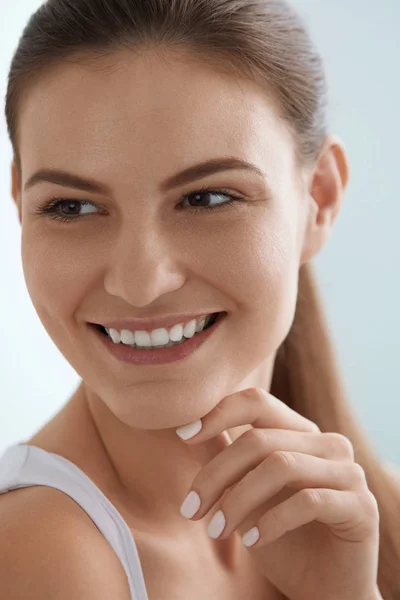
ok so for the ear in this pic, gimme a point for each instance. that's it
(328, 182)
(15, 189)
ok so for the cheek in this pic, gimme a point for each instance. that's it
(55, 272)
(260, 275)
(259, 265)
(251, 262)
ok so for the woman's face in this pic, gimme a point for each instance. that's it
(136, 251)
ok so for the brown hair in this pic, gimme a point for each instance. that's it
(266, 41)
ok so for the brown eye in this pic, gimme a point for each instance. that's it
(71, 207)
(52, 209)
(201, 199)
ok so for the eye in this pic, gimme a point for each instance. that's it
(74, 203)
(54, 209)
(200, 198)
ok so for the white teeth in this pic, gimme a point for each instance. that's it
(115, 336)
(190, 329)
(176, 333)
(159, 337)
(142, 338)
(127, 337)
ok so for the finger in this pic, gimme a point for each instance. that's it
(245, 454)
(352, 515)
(253, 406)
(280, 469)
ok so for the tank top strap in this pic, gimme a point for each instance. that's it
(22, 465)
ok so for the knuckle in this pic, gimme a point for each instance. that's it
(372, 503)
(340, 444)
(359, 473)
(255, 436)
(311, 497)
(221, 407)
(369, 509)
(282, 460)
(253, 392)
(314, 427)
(257, 397)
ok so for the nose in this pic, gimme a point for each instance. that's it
(143, 266)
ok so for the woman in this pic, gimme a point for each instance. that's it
(174, 178)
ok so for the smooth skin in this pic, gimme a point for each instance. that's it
(326, 518)
(128, 122)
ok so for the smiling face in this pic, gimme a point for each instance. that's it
(138, 249)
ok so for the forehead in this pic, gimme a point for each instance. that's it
(144, 110)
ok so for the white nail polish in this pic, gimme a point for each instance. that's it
(216, 525)
(188, 431)
(190, 505)
(251, 537)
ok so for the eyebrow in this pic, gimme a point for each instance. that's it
(188, 175)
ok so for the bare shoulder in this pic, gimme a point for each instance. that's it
(50, 548)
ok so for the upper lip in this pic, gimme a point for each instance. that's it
(156, 323)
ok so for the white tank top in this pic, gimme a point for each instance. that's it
(22, 466)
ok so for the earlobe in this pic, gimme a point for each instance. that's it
(328, 182)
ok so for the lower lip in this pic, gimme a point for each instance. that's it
(159, 356)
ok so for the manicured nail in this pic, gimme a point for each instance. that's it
(190, 505)
(188, 431)
(251, 537)
(216, 525)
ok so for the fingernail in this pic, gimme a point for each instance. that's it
(216, 525)
(251, 537)
(187, 431)
(190, 505)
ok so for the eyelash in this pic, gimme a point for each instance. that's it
(51, 207)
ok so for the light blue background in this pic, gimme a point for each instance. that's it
(358, 269)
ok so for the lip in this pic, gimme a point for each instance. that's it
(158, 356)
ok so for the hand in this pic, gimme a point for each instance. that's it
(312, 518)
